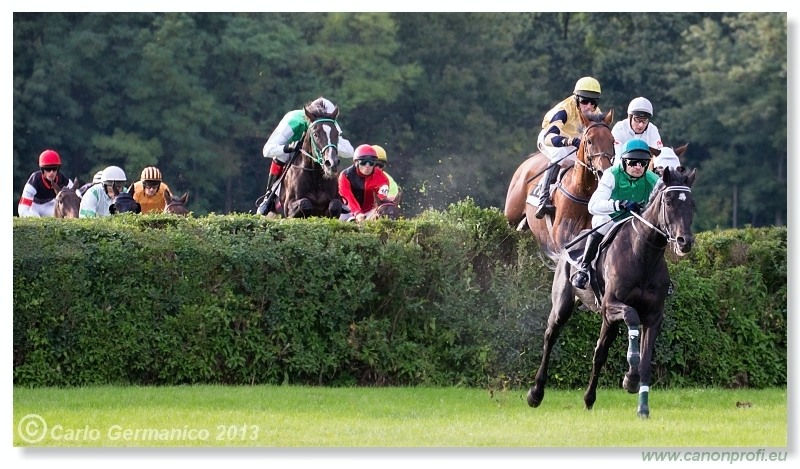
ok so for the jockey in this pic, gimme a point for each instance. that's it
(363, 185)
(560, 135)
(98, 176)
(637, 126)
(285, 139)
(98, 199)
(148, 191)
(394, 189)
(38, 196)
(623, 189)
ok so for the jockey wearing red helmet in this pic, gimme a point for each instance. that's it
(39, 196)
(363, 185)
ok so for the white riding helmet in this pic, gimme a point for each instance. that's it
(640, 107)
(667, 159)
(113, 174)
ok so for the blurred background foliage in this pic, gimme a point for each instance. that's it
(456, 99)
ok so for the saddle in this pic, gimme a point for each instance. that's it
(575, 257)
(533, 196)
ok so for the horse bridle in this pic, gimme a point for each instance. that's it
(663, 215)
(317, 153)
(590, 157)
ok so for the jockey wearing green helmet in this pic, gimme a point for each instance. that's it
(622, 189)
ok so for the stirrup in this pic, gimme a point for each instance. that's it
(579, 279)
(545, 209)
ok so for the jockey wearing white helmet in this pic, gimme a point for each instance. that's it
(637, 126)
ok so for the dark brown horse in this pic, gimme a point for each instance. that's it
(68, 202)
(576, 186)
(631, 280)
(176, 205)
(310, 184)
(388, 210)
(124, 203)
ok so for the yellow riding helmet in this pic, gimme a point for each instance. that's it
(380, 152)
(587, 87)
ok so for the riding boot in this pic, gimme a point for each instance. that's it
(590, 251)
(549, 178)
(268, 204)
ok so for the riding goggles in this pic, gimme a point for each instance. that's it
(367, 163)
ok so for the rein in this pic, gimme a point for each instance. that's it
(666, 235)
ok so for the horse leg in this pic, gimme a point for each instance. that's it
(608, 332)
(335, 208)
(649, 335)
(632, 378)
(299, 208)
(563, 306)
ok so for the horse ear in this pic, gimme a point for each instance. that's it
(335, 113)
(184, 198)
(655, 151)
(167, 196)
(130, 189)
(309, 116)
(75, 183)
(690, 177)
(681, 150)
(609, 118)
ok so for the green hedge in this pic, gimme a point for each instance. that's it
(447, 298)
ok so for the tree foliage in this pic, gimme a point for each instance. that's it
(456, 98)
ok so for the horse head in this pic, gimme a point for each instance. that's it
(670, 210)
(68, 202)
(124, 202)
(596, 152)
(176, 205)
(322, 137)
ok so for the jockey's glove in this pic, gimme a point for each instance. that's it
(290, 147)
(576, 142)
(628, 205)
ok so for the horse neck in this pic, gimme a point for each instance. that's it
(648, 240)
(583, 182)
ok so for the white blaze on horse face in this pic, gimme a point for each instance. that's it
(682, 197)
(327, 129)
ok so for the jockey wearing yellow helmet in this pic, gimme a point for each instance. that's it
(394, 189)
(560, 135)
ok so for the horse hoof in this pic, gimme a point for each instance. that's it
(533, 400)
(630, 385)
(643, 412)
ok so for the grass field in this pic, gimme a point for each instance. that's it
(288, 416)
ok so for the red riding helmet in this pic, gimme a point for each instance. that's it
(49, 158)
(365, 152)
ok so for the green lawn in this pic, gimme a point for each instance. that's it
(288, 416)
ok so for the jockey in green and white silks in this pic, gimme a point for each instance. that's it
(561, 135)
(636, 126)
(97, 200)
(286, 137)
(622, 189)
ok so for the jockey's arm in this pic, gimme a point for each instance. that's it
(347, 194)
(553, 136)
(282, 135)
(601, 202)
(25, 207)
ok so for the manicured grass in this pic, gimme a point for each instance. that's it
(289, 416)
